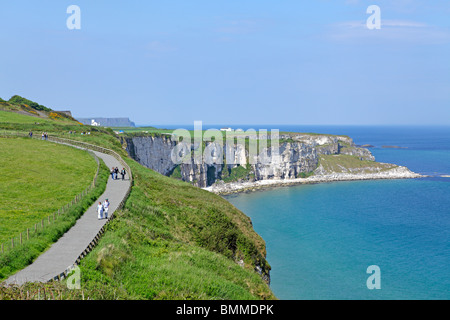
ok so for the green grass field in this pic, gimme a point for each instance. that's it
(12, 117)
(37, 179)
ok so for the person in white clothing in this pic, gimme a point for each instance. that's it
(106, 208)
(100, 211)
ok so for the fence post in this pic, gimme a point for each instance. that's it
(12, 242)
(28, 234)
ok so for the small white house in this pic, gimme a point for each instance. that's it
(226, 129)
(95, 124)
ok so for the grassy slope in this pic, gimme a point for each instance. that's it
(171, 240)
(181, 243)
(175, 241)
(38, 178)
(6, 116)
(343, 163)
(22, 106)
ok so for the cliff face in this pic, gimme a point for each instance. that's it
(152, 152)
(299, 157)
(295, 158)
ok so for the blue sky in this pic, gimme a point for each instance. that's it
(232, 62)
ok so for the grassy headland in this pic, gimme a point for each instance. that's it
(342, 163)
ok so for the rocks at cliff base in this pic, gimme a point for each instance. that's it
(394, 173)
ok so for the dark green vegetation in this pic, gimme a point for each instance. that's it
(170, 241)
(18, 100)
(305, 174)
(176, 173)
(237, 173)
(23, 106)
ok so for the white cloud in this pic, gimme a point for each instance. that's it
(384, 23)
(391, 30)
(403, 23)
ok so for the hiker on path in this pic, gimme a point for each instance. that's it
(106, 208)
(112, 172)
(31, 134)
(116, 171)
(123, 173)
(100, 211)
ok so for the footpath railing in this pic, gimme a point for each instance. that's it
(88, 147)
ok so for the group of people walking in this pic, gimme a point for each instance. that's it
(115, 173)
(102, 210)
(44, 135)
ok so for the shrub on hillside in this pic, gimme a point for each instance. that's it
(20, 100)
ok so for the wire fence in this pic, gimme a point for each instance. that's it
(23, 236)
(52, 218)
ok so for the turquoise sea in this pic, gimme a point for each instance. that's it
(321, 238)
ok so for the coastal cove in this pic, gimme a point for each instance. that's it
(321, 237)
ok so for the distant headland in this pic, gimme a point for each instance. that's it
(107, 122)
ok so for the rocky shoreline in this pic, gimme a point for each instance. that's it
(247, 186)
